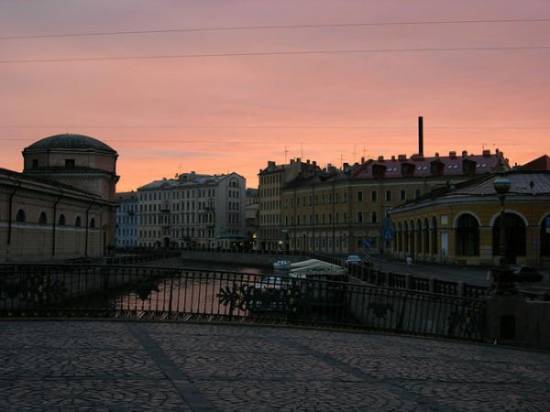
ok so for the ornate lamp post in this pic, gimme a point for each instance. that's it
(502, 187)
(502, 275)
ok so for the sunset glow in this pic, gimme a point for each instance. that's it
(233, 113)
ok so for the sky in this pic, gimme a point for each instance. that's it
(221, 114)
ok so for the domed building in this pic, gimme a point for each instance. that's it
(62, 205)
(77, 160)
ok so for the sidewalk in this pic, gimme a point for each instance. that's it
(95, 365)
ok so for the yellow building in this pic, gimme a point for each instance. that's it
(461, 224)
(345, 211)
(61, 206)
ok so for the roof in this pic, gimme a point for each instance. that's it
(522, 183)
(186, 179)
(126, 196)
(70, 141)
(540, 163)
(55, 184)
(452, 165)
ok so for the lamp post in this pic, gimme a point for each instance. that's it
(502, 187)
(502, 274)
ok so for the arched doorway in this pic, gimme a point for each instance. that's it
(515, 237)
(467, 235)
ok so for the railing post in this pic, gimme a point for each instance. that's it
(460, 289)
(409, 282)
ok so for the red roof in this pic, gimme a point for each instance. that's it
(449, 165)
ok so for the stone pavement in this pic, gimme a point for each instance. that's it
(133, 366)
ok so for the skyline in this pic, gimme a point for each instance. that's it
(233, 113)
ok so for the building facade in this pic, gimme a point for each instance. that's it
(193, 210)
(462, 225)
(347, 211)
(272, 236)
(127, 227)
(61, 205)
(251, 214)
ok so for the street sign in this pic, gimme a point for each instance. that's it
(367, 244)
(388, 230)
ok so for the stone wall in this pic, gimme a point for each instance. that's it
(512, 320)
(238, 258)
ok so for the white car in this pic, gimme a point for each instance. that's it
(353, 260)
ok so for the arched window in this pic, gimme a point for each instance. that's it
(515, 236)
(92, 223)
(43, 219)
(434, 236)
(412, 238)
(545, 236)
(467, 236)
(20, 217)
(78, 222)
(61, 221)
(426, 236)
(419, 236)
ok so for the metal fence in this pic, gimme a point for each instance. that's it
(184, 293)
(415, 283)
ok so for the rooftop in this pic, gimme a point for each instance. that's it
(522, 183)
(11, 174)
(70, 141)
(420, 166)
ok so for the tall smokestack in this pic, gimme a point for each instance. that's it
(421, 136)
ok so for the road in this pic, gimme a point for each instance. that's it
(138, 366)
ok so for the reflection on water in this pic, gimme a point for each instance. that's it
(230, 267)
(195, 291)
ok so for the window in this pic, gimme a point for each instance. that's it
(92, 223)
(403, 195)
(20, 217)
(374, 217)
(467, 236)
(515, 237)
(42, 220)
(34, 163)
(78, 222)
(359, 217)
(359, 196)
(417, 193)
(69, 163)
(62, 220)
(388, 196)
(374, 195)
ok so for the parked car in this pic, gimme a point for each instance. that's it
(352, 260)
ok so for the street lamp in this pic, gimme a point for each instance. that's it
(503, 276)
(502, 187)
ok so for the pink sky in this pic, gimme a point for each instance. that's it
(224, 114)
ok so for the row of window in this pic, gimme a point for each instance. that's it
(311, 200)
(21, 217)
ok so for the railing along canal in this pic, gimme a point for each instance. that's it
(131, 292)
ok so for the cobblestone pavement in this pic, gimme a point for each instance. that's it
(133, 366)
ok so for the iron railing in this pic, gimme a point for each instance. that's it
(185, 293)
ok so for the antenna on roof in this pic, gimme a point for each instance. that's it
(286, 153)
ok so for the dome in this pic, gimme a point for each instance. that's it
(70, 141)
